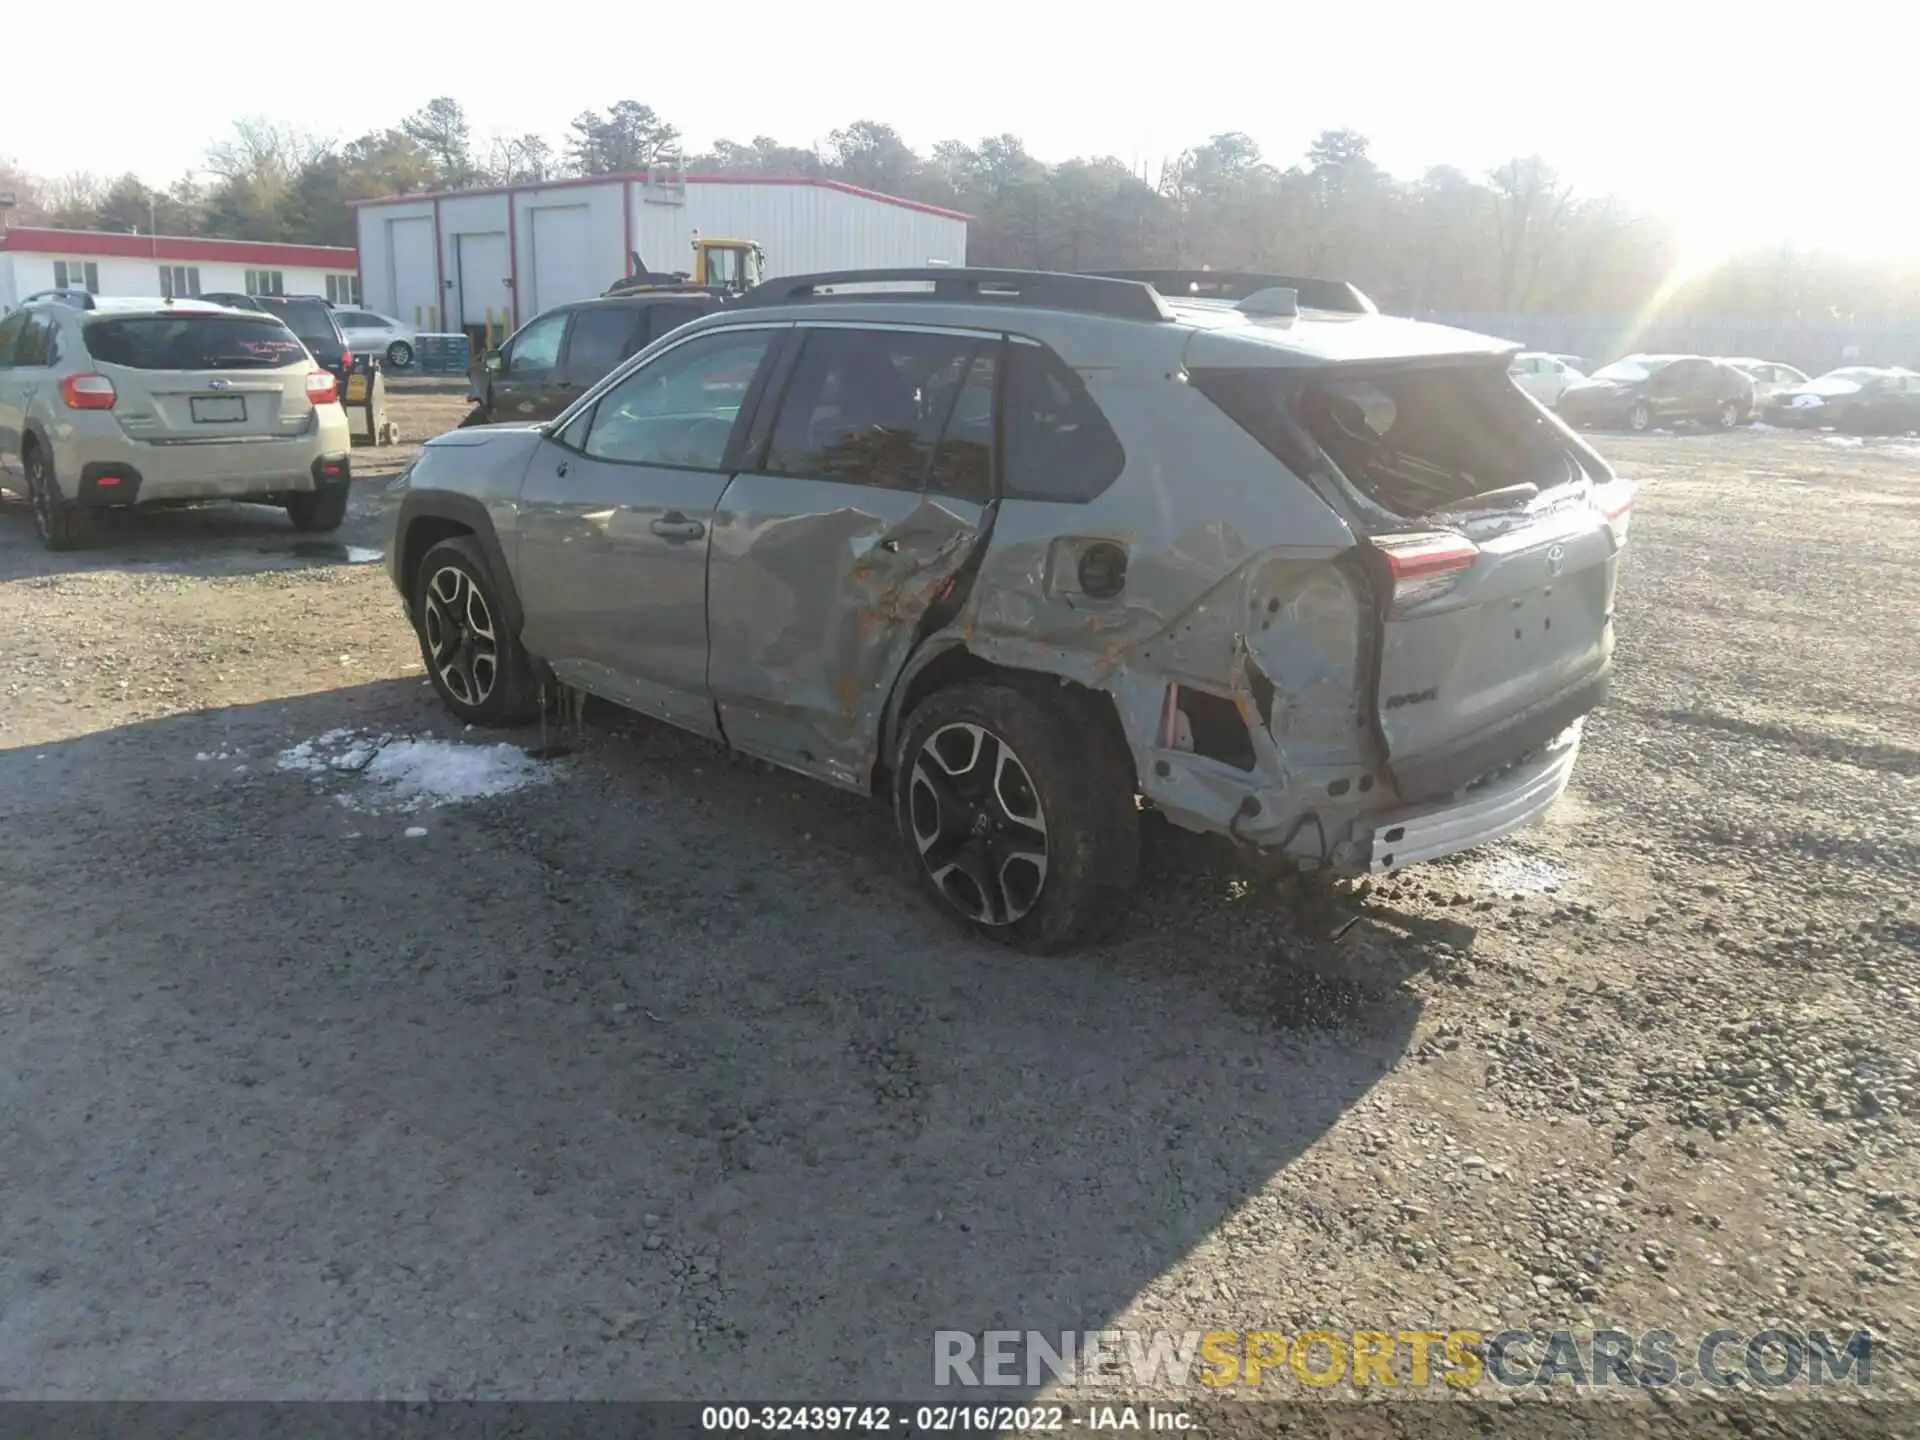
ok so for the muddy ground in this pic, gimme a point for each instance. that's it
(658, 1079)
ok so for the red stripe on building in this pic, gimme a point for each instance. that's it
(41, 240)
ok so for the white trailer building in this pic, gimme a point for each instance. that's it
(111, 262)
(463, 259)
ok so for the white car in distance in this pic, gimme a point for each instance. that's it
(371, 333)
(1542, 376)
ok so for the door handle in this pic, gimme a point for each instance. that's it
(675, 526)
(890, 545)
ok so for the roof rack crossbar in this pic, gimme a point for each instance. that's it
(1121, 298)
(1236, 285)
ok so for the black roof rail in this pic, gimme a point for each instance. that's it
(1122, 298)
(1236, 285)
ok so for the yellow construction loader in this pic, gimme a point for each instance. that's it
(726, 266)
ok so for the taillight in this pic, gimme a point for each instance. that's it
(346, 362)
(87, 391)
(322, 388)
(1615, 499)
(1425, 566)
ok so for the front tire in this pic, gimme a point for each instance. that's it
(317, 512)
(1017, 804)
(475, 661)
(1640, 417)
(1730, 414)
(61, 524)
(400, 354)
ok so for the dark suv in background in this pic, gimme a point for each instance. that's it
(548, 362)
(310, 318)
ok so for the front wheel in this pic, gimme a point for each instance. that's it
(1019, 810)
(475, 661)
(1640, 417)
(1730, 413)
(400, 354)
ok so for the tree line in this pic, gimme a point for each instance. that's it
(1517, 238)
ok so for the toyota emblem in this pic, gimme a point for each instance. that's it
(1556, 559)
(219, 384)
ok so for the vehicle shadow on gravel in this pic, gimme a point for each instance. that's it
(214, 539)
(657, 1078)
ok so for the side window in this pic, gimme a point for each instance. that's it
(598, 341)
(35, 346)
(870, 406)
(10, 329)
(679, 409)
(537, 347)
(667, 317)
(1058, 445)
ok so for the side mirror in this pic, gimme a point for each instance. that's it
(494, 362)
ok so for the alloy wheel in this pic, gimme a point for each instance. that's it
(1729, 415)
(458, 629)
(978, 823)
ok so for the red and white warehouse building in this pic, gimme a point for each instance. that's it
(33, 258)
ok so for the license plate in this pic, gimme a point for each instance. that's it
(218, 409)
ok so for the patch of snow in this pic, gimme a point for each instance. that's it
(416, 832)
(407, 773)
(1529, 874)
(1847, 441)
(1912, 452)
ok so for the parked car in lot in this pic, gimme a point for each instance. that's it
(550, 361)
(142, 402)
(1769, 378)
(922, 543)
(369, 333)
(1543, 376)
(1864, 399)
(309, 317)
(1642, 391)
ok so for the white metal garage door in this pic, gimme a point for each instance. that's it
(560, 269)
(484, 293)
(410, 278)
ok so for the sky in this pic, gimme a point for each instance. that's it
(1747, 123)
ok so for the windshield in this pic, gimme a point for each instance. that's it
(1836, 382)
(1634, 367)
(194, 342)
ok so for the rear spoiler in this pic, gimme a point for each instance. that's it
(1235, 285)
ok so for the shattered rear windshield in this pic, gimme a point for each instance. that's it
(195, 342)
(1413, 439)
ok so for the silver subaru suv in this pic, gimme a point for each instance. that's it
(123, 402)
(1029, 553)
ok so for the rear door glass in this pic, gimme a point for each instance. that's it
(601, 338)
(667, 317)
(194, 342)
(870, 406)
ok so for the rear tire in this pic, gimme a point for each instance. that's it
(476, 663)
(1017, 806)
(318, 511)
(400, 354)
(1731, 412)
(62, 525)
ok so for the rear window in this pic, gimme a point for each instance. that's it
(194, 342)
(312, 323)
(1412, 440)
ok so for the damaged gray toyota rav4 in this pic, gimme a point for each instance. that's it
(1030, 553)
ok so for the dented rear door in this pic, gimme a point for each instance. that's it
(855, 519)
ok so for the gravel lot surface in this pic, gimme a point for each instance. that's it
(656, 1077)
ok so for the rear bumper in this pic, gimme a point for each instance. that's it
(1482, 813)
